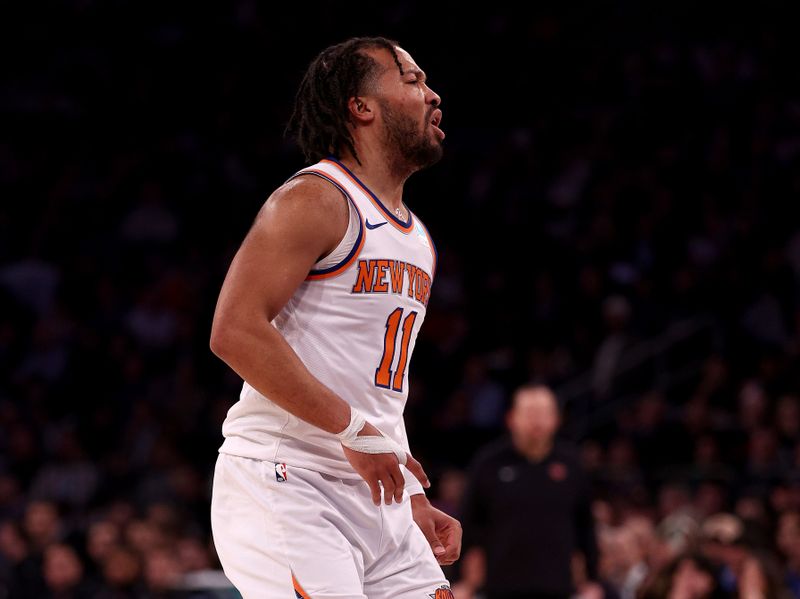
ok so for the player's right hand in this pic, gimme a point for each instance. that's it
(383, 469)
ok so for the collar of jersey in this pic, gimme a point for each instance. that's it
(404, 226)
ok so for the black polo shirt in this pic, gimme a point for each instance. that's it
(530, 517)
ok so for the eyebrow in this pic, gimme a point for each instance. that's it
(417, 73)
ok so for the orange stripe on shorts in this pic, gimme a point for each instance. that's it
(298, 590)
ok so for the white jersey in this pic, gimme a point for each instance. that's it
(354, 323)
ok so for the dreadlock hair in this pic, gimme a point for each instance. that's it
(321, 116)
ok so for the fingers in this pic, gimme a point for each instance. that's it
(393, 483)
(429, 530)
(382, 474)
(452, 541)
(399, 482)
(388, 488)
(391, 480)
(448, 555)
(374, 488)
(416, 469)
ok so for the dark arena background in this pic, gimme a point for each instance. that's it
(617, 216)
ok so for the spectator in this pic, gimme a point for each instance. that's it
(689, 577)
(122, 574)
(102, 537)
(622, 562)
(527, 506)
(64, 574)
(16, 567)
(162, 573)
(42, 524)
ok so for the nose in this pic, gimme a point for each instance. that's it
(432, 97)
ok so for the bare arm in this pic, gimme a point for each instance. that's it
(299, 223)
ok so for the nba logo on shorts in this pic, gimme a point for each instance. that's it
(280, 473)
(443, 592)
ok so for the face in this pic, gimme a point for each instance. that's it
(692, 580)
(62, 568)
(533, 416)
(409, 111)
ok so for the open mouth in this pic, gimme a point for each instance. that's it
(436, 119)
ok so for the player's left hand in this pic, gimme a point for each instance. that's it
(442, 531)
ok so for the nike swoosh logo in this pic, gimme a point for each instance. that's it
(375, 226)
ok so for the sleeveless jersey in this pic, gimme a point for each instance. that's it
(354, 325)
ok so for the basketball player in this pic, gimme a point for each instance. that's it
(315, 492)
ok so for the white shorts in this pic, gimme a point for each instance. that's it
(296, 533)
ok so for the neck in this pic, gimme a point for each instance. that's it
(379, 172)
(534, 449)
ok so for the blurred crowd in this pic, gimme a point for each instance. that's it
(610, 175)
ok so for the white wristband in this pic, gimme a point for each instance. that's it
(357, 422)
(368, 443)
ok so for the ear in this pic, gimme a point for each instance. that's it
(360, 110)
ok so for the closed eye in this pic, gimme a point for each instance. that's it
(418, 77)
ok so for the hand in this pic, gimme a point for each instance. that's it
(442, 531)
(383, 469)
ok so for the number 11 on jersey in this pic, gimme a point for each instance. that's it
(383, 374)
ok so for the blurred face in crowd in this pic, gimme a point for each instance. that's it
(12, 544)
(142, 536)
(620, 551)
(788, 535)
(762, 448)
(451, 487)
(691, 581)
(752, 405)
(102, 537)
(121, 567)
(533, 419)
(787, 416)
(41, 522)
(62, 568)
(752, 508)
(192, 555)
(162, 570)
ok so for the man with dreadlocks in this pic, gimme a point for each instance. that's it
(315, 488)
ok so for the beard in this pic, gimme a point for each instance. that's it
(409, 147)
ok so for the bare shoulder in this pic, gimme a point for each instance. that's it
(305, 211)
(314, 198)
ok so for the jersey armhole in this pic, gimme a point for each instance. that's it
(348, 248)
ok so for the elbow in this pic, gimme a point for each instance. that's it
(233, 337)
(219, 341)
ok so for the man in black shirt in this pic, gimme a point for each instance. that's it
(527, 506)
